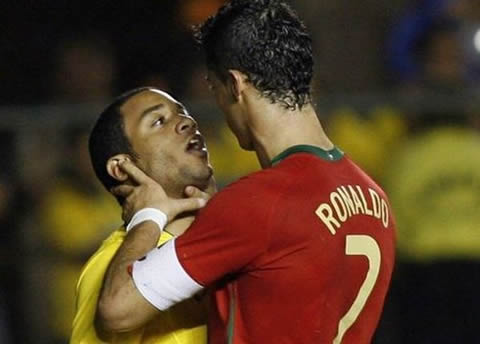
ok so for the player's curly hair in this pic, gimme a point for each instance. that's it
(108, 138)
(265, 40)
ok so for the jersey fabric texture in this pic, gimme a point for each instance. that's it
(301, 252)
(182, 324)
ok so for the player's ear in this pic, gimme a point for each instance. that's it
(237, 83)
(114, 170)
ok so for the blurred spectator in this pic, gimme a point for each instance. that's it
(85, 70)
(75, 216)
(441, 59)
(436, 41)
(371, 138)
(347, 36)
(407, 32)
(59, 188)
(42, 166)
(441, 65)
(444, 222)
(432, 181)
(433, 185)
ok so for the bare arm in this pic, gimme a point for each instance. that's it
(121, 307)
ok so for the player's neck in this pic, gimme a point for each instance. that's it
(275, 129)
(179, 225)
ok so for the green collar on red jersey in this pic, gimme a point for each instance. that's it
(330, 155)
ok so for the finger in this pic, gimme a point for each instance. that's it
(122, 190)
(187, 204)
(193, 191)
(134, 172)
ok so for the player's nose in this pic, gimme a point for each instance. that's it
(186, 125)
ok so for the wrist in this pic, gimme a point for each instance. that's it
(148, 214)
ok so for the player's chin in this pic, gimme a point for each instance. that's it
(202, 167)
(202, 177)
(204, 171)
(209, 171)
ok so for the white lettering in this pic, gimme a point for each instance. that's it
(347, 200)
(364, 201)
(335, 199)
(358, 204)
(384, 214)
(375, 203)
(324, 212)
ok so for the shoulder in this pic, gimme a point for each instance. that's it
(248, 195)
(245, 205)
(98, 262)
(262, 184)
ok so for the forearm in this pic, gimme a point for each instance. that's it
(120, 306)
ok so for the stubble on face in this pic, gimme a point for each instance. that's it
(174, 174)
(162, 154)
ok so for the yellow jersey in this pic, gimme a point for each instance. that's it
(181, 324)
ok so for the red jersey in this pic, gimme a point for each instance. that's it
(301, 252)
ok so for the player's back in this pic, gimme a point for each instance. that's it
(326, 269)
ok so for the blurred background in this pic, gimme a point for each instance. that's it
(396, 85)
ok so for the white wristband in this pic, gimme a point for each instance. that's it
(148, 214)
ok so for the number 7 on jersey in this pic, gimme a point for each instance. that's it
(360, 245)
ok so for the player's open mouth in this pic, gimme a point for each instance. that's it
(196, 145)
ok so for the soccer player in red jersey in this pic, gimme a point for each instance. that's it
(299, 252)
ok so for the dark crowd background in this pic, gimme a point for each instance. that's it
(396, 84)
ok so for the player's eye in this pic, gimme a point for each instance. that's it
(158, 122)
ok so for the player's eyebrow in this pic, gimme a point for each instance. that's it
(151, 109)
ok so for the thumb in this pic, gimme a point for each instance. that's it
(187, 204)
(194, 192)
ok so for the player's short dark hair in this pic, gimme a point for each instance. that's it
(266, 40)
(108, 137)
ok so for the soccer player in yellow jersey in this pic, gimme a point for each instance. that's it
(150, 128)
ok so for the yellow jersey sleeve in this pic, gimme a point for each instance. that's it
(182, 324)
